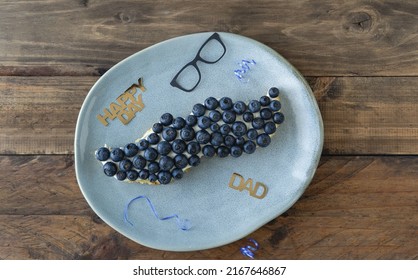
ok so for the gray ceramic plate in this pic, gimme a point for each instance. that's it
(218, 213)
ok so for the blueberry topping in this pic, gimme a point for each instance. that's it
(254, 106)
(229, 116)
(202, 137)
(180, 161)
(214, 127)
(248, 117)
(194, 160)
(109, 168)
(191, 120)
(153, 138)
(193, 148)
(263, 140)
(102, 154)
(157, 127)
(225, 103)
(187, 133)
(204, 122)
(153, 167)
(240, 141)
(169, 134)
(117, 155)
(216, 139)
(166, 163)
(240, 107)
(166, 119)
(152, 177)
(239, 129)
(178, 146)
(198, 110)
(121, 175)
(164, 148)
(143, 144)
(131, 149)
(278, 118)
(266, 114)
(164, 177)
(264, 100)
(229, 140)
(177, 173)
(249, 147)
(125, 165)
(208, 151)
(275, 105)
(139, 162)
(211, 103)
(236, 151)
(179, 123)
(270, 128)
(143, 174)
(150, 154)
(274, 92)
(222, 151)
(258, 123)
(252, 134)
(215, 116)
(225, 129)
(132, 175)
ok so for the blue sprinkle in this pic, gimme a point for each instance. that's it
(248, 250)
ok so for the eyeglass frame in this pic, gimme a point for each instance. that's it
(214, 36)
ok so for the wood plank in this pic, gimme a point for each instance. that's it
(355, 208)
(355, 38)
(362, 115)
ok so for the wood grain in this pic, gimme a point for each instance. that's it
(355, 208)
(331, 38)
(362, 115)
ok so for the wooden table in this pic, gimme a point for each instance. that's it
(359, 57)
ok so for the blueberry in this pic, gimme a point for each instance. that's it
(225, 103)
(132, 175)
(263, 140)
(214, 127)
(222, 151)
(278, 118)
(225, 129)
(254, 106)
(143, 144)
(110, 169)
(216, 139)
(139, 162)
(130, 149)
(157, 127)
(229, 140)
(264, 100)
(164, 177)
(236, 151)
(121, 175)
(194, 160)
(274, 92)
(177, 173)
(169, 134)
(249, 147)
(125, 165)
(164, 148)
(150, 154)
(270, 128)
(102, 154)
(211, 103)
(240, 141)
(202, 137)
(180, 161)
(153, 138)
(166, 163)
(153, 167)
(191, 120)
(208, 151)
(178, 146)
(229, 116)
(117, 154)
(248, 117)
(187, 133)
(166, 119)
(193, 148)
(266, 114)
(239, 107)
(239, 129)
(198, 110)
(252, 134)
(275, 105)
(258, 123)
(152, 177)
(143, 174)
(179, 123)
(204, 122)
(215, 116)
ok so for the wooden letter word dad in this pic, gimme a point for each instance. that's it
(257, 190)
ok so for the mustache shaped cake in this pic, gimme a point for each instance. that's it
(218, 127)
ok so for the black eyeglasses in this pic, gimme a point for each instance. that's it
(203, 55)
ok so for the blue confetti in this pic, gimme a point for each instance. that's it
(248, 250)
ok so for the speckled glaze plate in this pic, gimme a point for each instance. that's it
(218, 213)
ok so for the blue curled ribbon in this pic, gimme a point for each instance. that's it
(248, 250)
(182, 224)
(244, 68)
